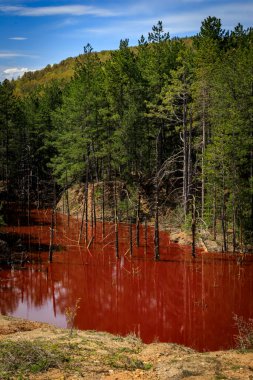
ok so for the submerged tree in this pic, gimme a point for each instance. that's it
(169, 117)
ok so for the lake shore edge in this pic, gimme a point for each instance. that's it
(101, 355)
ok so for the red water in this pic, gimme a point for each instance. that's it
(178, 299)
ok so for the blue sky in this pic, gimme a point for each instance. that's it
(35, 33)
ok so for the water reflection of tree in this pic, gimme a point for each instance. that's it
(8, 302)
(176, 299)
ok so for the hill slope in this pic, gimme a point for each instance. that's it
(62, 71)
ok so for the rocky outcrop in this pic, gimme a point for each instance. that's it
(72, 200)
(180, 238)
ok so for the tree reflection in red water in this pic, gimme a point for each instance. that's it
(178, 299)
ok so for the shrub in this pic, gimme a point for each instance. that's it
(244, 338)
(70, 314)
(23, 357)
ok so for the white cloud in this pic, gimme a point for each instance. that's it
(13, 72)
(10, 55)
(178, 23)
(65, 23)
(16, 71)
(17, 38)
(15, 55)
(73, 10)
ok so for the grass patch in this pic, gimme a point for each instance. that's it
(188, 373)
(235, 367)
(220, 376)
(128, 350)
(23, 357)
(118, 338)
(122, 361)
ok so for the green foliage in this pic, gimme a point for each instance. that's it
(168, 109)
(211, 29)
(24, 357)
(157, 35)
(122, 361)
(11, 133)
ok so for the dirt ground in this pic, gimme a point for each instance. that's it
(96, 355)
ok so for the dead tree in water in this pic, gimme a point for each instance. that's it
(94, 204)
(146, 236)
(138, 218)
(223, 217)
(82, 221)
(214, 213)
(51, 244)
(130, 238)
(156, 237)
(103, 209)
(85, 207)
(52, 227)
(167, 170)
(38, 189)
(130, 231)
(67, 204)
(28, 197)
(67, 198)
(116, 222)
(193, 227)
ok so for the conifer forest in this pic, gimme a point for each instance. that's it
(170, 119)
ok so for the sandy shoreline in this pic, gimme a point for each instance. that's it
(97, 355)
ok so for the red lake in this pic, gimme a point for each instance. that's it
(177, 299)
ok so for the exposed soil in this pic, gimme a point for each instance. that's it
(96, 355)
(170, 220)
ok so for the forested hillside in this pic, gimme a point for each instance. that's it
(62, 71)
(168, 118)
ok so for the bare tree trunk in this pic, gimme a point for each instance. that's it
(223, 218)
(203, 155)
(67, 205)
(66, 197)
(234, 225)
(28, 198)
(130, 231)
(103, 209)
(91, 210)
(146, 236)
(156, 240)
(51, 244)
(38, 189)
(241, 236)
(116, 222)
(130, 238)
(224, 230)
(214, 214)
(94, 204)
(138, 219)
(84, 211)
(82, 220)
(185, 164)
(193, 227)
(156, 237)
(86, 194)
